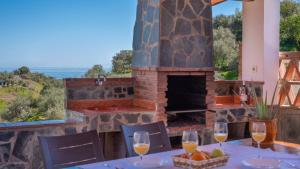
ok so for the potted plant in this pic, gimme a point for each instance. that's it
(267, 114)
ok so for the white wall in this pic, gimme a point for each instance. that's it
(261, 42)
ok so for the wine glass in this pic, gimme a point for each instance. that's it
(221, 132)
(141, 143)
(190, 143)
(258, 132)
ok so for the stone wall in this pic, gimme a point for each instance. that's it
(173, 33)
(19, 146)
(86, 88)
(228, 87)
(146, 34)
(186, 33)
(110, 121)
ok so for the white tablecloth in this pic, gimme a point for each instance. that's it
(237, 154)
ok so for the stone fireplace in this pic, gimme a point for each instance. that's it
(173, 62)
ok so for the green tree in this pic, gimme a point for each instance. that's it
(289, 25)
(289, 8)
(121, 63)
(24, 70)
(232, 22)
(290, 33)
(225, 52)
(95, 71)
(18, 109)
(51, 103)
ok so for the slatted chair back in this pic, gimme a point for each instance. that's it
(159, 140)
(71, 150)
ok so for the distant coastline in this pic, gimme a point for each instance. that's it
(57, 73)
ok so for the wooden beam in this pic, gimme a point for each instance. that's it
(216, 2)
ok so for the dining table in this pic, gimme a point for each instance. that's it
(239, 151)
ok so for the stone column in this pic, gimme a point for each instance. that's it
(261, 42)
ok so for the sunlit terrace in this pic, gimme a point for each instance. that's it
(172, 108)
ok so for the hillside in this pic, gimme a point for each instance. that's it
(26, 96)
(9, 93)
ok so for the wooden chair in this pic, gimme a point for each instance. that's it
(159, 140)
(71, 150)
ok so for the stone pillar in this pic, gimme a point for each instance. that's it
(260, 49)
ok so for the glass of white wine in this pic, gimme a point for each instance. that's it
(190, 143)
(221, 132)
(258, 132)
(141, 143)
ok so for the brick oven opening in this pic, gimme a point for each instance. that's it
(186, 103)
(186, 93)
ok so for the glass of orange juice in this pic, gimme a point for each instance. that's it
(258, 132)
(221, 132)
(141, 143)
(190, 143)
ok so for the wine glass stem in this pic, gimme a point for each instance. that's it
(190, 161)
(258, 146)
(141, 157)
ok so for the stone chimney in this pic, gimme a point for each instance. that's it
(173, 33)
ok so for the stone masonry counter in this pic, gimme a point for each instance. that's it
(110, 120)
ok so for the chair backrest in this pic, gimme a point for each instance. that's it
(159, 140)
(71, 150)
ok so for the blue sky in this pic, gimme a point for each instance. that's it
(69, 33)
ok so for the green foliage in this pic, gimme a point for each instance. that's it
(289, 8)
(225, 53)
(264, 112)
(95, 71)
(121, 63)
(22, 71)
(233, 22)
(52, 103)
(228, 75)
(31, 97)
(3, 105)
(18, 110)
(290, 33)
(289, 25)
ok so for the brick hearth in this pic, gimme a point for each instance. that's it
(151, 86)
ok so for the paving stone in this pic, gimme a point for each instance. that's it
(5, 151)
(188, 13)
(147, 118)
(22, 145)
(122, 96)
(131, 118)
(105, 117)
(130, 91)
(170, 6)
(183, 27)
(197, 5)
(14, 166)
(70, 130)
(118, 90)
(6, 135)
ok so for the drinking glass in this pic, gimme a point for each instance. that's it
(221, 132)
(258, 132)
(141, 143)
(190, 143)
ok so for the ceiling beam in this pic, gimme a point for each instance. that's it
(215, 2)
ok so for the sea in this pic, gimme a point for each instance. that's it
(57, 73)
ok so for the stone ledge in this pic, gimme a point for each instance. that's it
(175, 69)
(36, 124)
